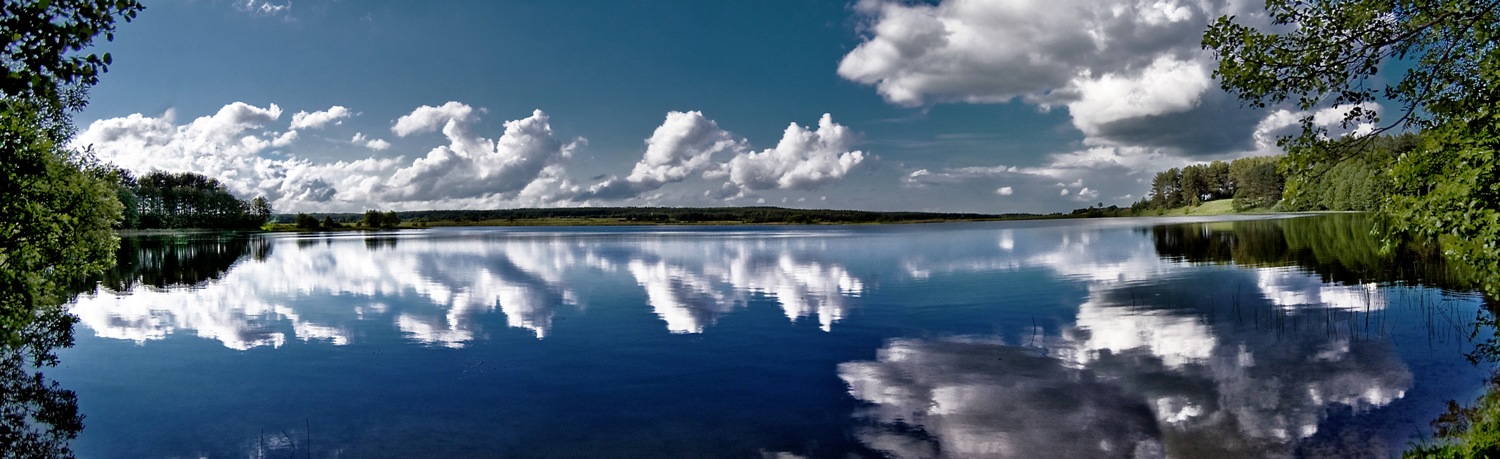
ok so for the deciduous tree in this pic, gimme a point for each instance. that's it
(1331, 53)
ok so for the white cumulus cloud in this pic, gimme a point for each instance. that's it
(684, 144)
(1168, 85)
(471, 166)
(317, 120)
(1130, 73)
(428, 118)
(228, 145)
(524, 165)
(369, 142)
(804, 159)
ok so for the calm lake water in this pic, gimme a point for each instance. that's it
(1076, 338)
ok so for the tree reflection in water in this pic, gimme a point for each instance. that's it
(178, 260)
(1339, 248)
(37, 416)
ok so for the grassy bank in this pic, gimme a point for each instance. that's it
(1215, 207)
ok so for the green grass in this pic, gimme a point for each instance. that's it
(1215, 207)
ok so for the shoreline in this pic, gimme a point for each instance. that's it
(729, 216)
(568, 222)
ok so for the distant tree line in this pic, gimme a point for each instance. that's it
(377, 219)
(1252, 182)
(1358, 182)
(373, 219)
(684, 215)
(184, 200)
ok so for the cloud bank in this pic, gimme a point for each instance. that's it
(241, 146)
(683, 145)
(687, 142)
(1121, 70)
(255, 152)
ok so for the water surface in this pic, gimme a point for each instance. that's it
(1080, 338)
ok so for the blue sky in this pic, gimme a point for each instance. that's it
(957, 105)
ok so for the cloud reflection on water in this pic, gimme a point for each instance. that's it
(1154, 362)
(438, 290)
(1159, 356)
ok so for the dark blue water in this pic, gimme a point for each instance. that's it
(1080, 338)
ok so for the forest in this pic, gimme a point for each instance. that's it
(162, 200)
(1359, 182)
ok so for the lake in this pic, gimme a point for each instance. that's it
(1230, 337)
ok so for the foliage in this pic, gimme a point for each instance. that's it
(1259, 183)
(1194, 184)
(1330, 54)
(260, 210)
(1166, 188)
(56, 211)
(1450, 191)
(1359, 183)
(188, 200)
(55, 221)
(376, 219)
(42, 39)
(1253, 182)
(307, 222)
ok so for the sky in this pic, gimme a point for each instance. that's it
(953, 105)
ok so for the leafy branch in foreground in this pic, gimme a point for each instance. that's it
(1332, 53)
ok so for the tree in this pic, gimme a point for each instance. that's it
(1257, 182)
(56, 214)
(1218, 180)
(1331, 53)
(1194, 184)
(57, 208)
(307, 222)
(260, 210)
(190, 200)
(1165, 188)
(375, 219)
(372, 219)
